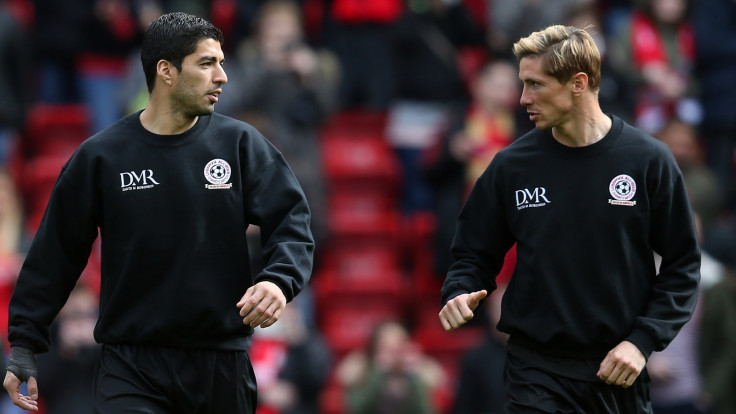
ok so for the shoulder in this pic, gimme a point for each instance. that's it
(522, 147)
(224, 123)
(120, 132)
(641, 143)
(223, 127)
(254, 147)
(220, 121)
(109, 142)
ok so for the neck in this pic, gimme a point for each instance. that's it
(161, 119)
(586, 128)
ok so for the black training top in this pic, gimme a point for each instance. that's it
(586, 221)
(172, 212)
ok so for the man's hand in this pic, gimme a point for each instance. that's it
(459, 310)
(622, 365)
(262, 305)
(22, 368)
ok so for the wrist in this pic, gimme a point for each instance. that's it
(22, 363)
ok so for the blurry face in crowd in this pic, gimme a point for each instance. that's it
(200, 81)
(683, 142)
(393, 338)
(278, 30)
(548, 102)
(497, 87)
(669, 11)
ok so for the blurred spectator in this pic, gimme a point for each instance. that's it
(656, 47)
(430, 86)
(57, 41)
(12, 245)
(617, 93)
(12, 238)
(357, 31)
(132, 94)
(111, 32)
(457, 160)
(292, 364)
(718, 330)
(511, 20)
(81, 50)
(481, 388)
(715, 36)
(390, 376)
(706, 195)
(286, 89)
(14, 53)
(68, 368)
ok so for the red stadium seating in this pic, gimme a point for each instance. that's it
(55, 129)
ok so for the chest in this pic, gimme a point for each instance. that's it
(599, 193)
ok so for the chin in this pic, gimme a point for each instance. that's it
(204, 111)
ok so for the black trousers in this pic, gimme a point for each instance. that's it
(158, 380)
(535, 390)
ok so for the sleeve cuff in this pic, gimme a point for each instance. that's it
(643, 341)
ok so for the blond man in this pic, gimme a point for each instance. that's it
(588, 200)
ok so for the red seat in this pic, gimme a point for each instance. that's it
(387, 285)
(355, 123)
(357, 223)
(360, 259)
(56, 129)
(332, 399)
(359, 159)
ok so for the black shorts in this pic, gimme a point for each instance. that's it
(532, 389)
(158, 380)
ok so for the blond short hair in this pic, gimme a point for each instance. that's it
(565, 51)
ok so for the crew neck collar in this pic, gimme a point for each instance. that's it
(173, 140)
(597, 147)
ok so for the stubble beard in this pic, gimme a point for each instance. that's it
(187, 105)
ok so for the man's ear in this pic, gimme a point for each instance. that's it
(166, 71)
(579, 83)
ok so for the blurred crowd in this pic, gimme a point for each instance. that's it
(436, 84)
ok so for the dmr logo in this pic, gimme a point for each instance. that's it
(137, 181)
(536, 198)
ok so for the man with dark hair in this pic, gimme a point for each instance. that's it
(588, 200)
(171, 190)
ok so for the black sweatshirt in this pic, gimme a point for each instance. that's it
(586, 221)
(172, 212)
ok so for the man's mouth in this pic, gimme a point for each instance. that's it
(215, 95)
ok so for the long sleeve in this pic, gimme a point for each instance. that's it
(56, 258)
(276, 203)
(675, 289)
(482, 238)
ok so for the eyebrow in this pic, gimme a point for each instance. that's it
(209, 59)
(531, 79)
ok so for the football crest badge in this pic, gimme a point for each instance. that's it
(622, 189)
(217, 172)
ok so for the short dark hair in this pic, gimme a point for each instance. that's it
(172, 37)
